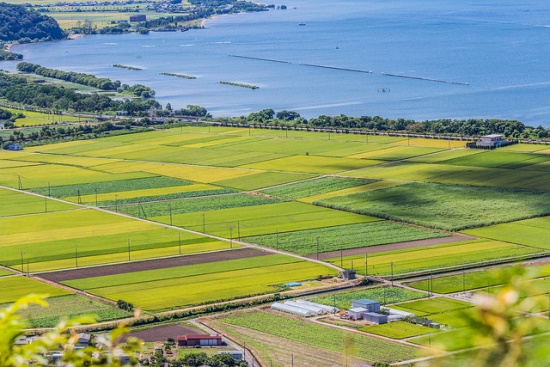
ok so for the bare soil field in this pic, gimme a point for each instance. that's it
(60, 276)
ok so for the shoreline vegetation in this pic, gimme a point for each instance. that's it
(242, 85)
(184, 76)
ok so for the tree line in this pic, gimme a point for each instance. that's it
(470, 127)
(90, 80)
(24, 25)
(20, 90)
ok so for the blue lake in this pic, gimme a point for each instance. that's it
(495, 53)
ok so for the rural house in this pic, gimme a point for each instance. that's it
(202, 340)
(491, 141)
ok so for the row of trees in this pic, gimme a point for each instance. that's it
(90, 80)
(471, 127)
(70, 76)
(196, 360)
(20, 90)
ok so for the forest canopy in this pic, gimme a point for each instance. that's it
(24, 25)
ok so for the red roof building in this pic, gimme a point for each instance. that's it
(202, 340)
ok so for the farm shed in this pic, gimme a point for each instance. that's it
(357, 312)
(14, 147)
(292, 309)
(328, 309)
(203, 340)
(368, 304)
(375, 318)
(493, 140)
(236, 354)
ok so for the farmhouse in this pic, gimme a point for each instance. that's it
(138, 18)
(368, 304)
(491, 141)
(14, 147)
(203, 340)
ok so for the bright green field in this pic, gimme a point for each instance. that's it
(40, 175)
(191, 205)
(302, 331)
(4, 272)
(194, 284)
(431, 306)
(312, 164)
(49, 240)
(344, 237)
(467, 281)
(16, 203)
(263, 179)
(263, 219)
(531, 232)
(69, 307)
(13, 288)
(447, 207)
(459, 175)
(432, 257)
(385, 295)
(313, 187)
(38, 118)
(117, 186)
(398, 330)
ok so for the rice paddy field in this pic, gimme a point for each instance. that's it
(202, 283)
(69, 306)
(15, 287)
(432, 257)
(449, 207)
(161, 219)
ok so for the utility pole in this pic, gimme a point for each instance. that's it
(128, 249)
(239, 230)
(170, 209)
(116, 203)
(76, 256)
(463, 281)
(317, 248)
(391, 273)
(49, 189)
(22, 264)
(341, 256)
(366, 263)
(179, 242)
(277, 239)
(203, 224)
(96, 195)
(230, 237)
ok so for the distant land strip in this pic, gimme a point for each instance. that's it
(427, 79)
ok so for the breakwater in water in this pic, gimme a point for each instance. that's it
(426, 79)
(352, 70)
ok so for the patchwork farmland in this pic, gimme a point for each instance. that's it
(172, 220)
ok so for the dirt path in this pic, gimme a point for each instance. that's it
(392, 246)
(129, 267)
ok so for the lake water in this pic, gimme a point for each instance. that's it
(497, 51)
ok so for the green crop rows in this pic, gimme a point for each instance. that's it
(196, 205)
(313, 187)
(432, 257)
(344, 237)
(301, 331)
(447, 207)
